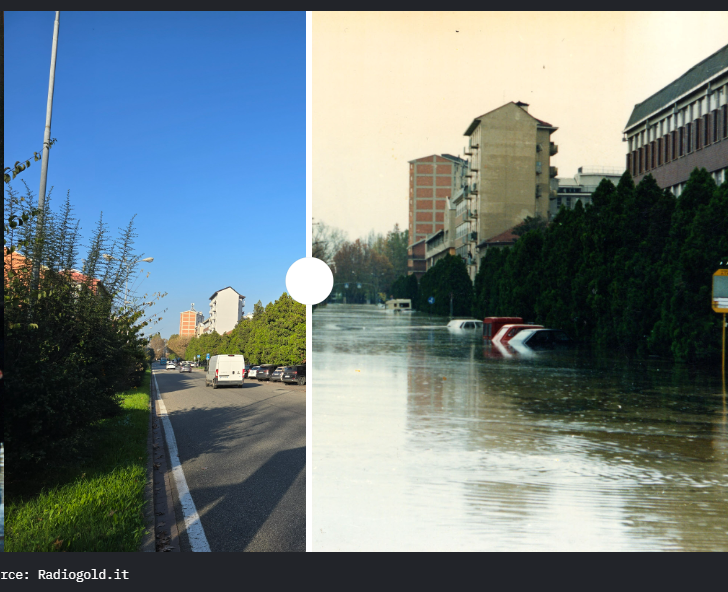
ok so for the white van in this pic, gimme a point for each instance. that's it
(226, 370)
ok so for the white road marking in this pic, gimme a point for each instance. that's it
(195, 532)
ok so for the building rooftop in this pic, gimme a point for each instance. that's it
(476, 121)
(506, 237)
(229, 287)
(694, 77)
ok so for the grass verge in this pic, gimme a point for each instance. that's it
(95, 505)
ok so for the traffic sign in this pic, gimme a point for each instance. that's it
(719, 299)
(208, 356)
(431, 300)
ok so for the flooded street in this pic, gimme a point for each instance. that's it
(424, 438)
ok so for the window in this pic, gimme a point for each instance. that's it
(674, 145)
(725, 121)
(698, 126)
(715, 126)
(706, 127)
(640, 161)
(690, 137)
(667, 148)
(652, 155)
(659, 152)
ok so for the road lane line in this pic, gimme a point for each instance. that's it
(195, 532)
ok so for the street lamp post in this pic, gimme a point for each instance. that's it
(128, 271)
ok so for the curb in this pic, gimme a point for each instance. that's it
(148, 540)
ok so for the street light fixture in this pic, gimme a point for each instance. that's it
(128, 271)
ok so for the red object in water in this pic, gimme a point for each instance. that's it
(491, 325)
(508, 331)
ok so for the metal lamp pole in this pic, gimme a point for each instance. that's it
(47, 137)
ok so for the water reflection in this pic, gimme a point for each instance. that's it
(428, 439)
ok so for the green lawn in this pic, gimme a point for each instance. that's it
(97, 505)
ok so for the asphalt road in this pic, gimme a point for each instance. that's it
(243, 453)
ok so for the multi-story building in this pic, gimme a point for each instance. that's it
(579, 188)
(508, 178)
(416, 263)
(226, 309)
(682, 126)
(432, 179)
(188, 321)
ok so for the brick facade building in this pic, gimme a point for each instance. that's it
(682, 126)
(188, 321)
(432, 180)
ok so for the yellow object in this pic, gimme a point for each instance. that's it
(357, 370)
(444, 377)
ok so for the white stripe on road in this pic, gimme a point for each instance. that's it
(195, 532)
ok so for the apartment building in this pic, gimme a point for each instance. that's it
(506, 179)
(432, 180)
(226, 309)
(682, 126)
(571, 190)
(188, 321)
(416, 263)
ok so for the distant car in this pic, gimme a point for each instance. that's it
(185, 367)
(295, 374)
(458, 324)
(277, 374)
(253, 371)
(265, 371)
(171, 366)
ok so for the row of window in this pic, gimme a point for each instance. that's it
(710, 102)
(710, 128)
(462, 230)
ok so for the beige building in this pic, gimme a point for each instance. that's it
(507, 179)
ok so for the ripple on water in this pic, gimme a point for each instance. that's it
(423, 440)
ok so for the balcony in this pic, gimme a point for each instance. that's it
(553, 149)
(538, 191)
(538, 167)
(472, 237)
(553, 171)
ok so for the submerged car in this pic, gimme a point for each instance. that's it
(458, 324)
(540, 339)
(295, 374)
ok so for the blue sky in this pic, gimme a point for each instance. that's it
(195, 122)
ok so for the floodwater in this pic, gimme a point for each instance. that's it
(426, 439)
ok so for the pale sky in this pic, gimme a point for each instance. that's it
(392, 87)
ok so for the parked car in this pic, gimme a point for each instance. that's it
(247, 370)
(253, 371)
(277, 375)
(508, 332)
(171, 366)
(225, 369)
(458, 324)
(538, 339)
(265, 371)
(295, 374)
(185, 367)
